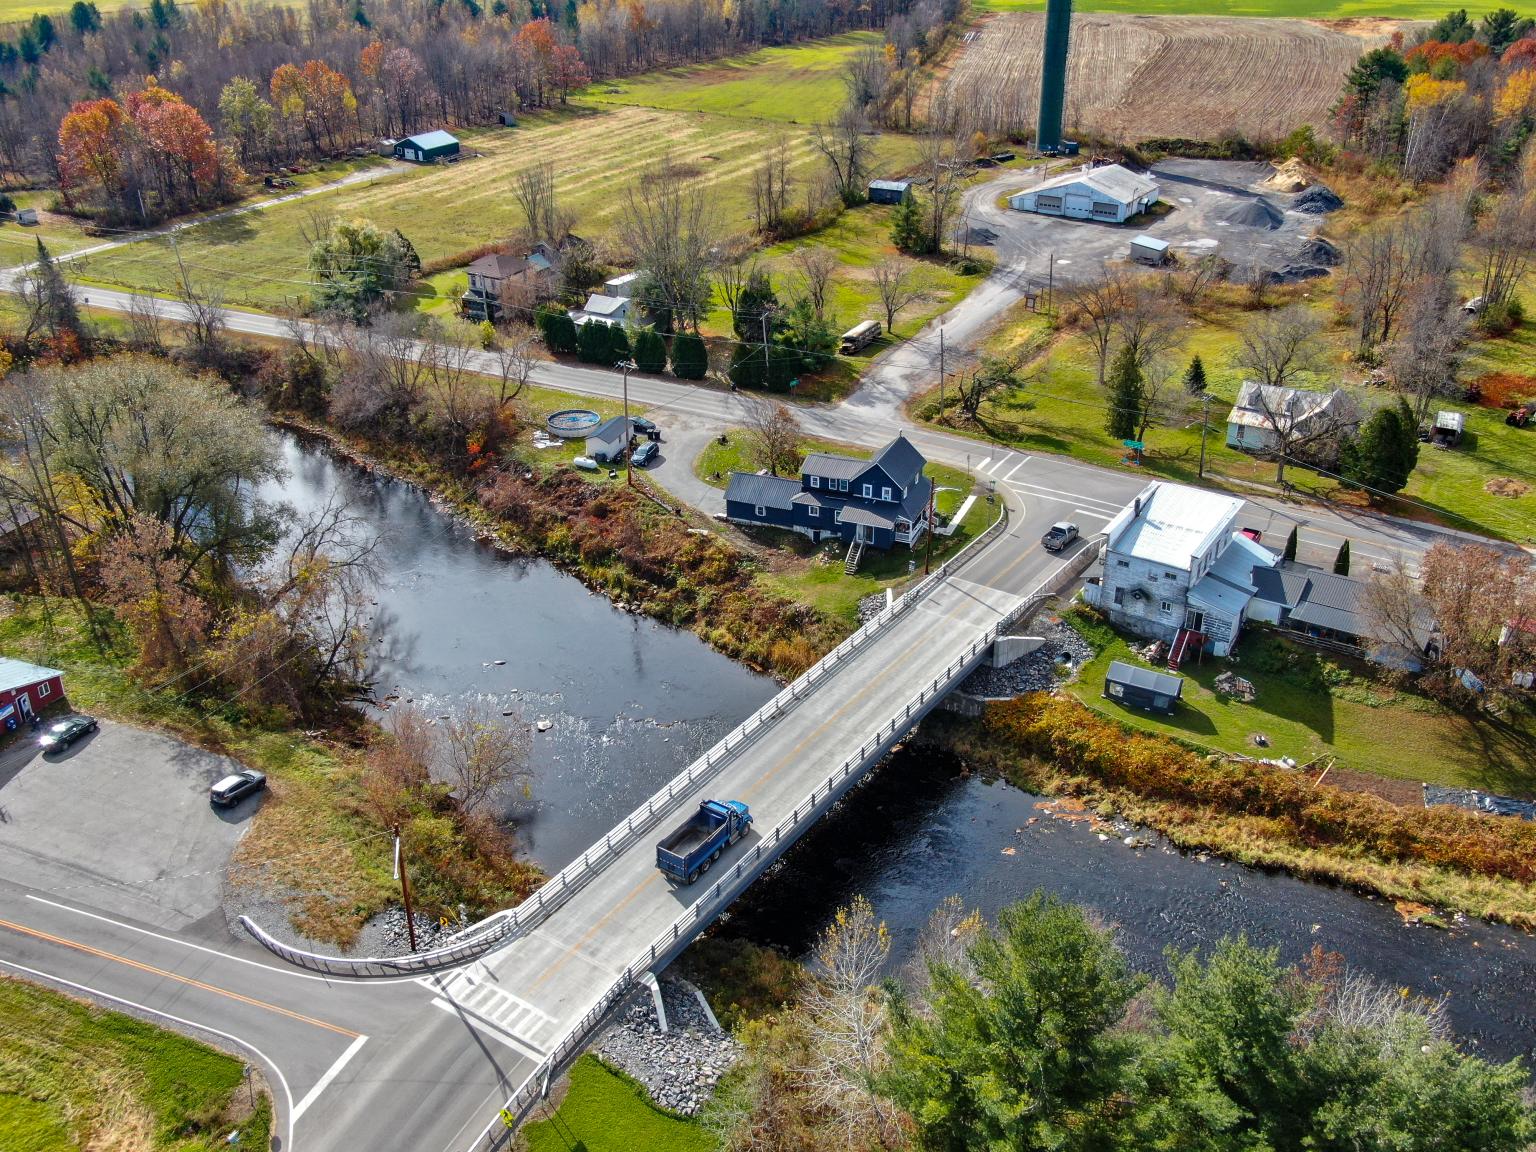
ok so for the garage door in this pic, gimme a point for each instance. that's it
(1079, 206)
(1047, 203)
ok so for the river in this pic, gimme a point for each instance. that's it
(631, 702)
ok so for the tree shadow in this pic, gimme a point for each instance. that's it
(229, 230)
(1507, 749)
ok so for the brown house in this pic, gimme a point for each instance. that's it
(493, 279)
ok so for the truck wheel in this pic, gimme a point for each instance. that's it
(692, 876)
(704, 867)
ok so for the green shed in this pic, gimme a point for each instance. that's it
(427, 147)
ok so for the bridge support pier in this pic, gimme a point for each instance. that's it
(650, 981)
(1007, 649)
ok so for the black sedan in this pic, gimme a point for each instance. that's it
(62, 733)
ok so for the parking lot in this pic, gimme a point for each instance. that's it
(121, 822)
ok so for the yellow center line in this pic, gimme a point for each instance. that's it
(152, 970)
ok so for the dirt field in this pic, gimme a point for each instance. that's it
(1134, 77)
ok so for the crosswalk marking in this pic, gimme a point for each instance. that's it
(486, 1001)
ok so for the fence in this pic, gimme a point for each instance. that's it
(500, 927)
(759, 857)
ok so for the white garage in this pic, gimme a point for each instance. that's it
(1111, 193)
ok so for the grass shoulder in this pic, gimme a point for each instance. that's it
(605, 1111)
(78, 1077)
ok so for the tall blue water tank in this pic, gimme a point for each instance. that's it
(1053, 74)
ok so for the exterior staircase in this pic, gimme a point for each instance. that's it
(855, 554)
(1188, 641)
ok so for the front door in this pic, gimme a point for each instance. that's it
(24, 706)
(1194, 621)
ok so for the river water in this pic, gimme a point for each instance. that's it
(630, 703)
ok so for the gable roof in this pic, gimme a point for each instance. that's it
(434, 139)
(501, 265)
(1170, 524)
(833, 464)
(1257, 404)
(19, 674)
(891, 185)
(1147, 678)
(767, 491)
(900, 459)
(1115, 181)
(1282, 585)
(609, 430)
(599, 305)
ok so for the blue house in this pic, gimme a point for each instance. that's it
(879, 502)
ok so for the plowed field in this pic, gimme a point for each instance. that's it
(1134, 77)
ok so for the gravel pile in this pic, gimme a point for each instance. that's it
(385, 934)
(871, 606)
(1317, 200)
(1035, 672)
(680, 1067)
(1258, 213)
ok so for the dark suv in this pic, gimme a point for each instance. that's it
(62, 733)
(235, 788)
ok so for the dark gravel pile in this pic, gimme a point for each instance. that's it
(1317, 200)
(679, 1067)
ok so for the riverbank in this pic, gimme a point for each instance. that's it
(1252, 813)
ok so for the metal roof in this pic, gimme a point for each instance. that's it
(834, 465)
(599, 305)
(19, 674)
(767, 491)
(891, 185)
(428, 140)
(1151, 242)
(1211, 591)
(1257, 404)
(864, 514)
(609, 430)
(1147, 678)
(1174, 524)
(1279, 585)
(900, 460)
(1451, 421)
(1116, 182)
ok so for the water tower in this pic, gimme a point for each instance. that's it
(1053, 79)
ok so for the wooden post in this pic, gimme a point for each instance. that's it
(405, 887)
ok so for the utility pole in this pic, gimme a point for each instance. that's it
(767, 364)
(1205, 420)
(941, 372)
(928, 557)
(1050, 285)
(627, 366)
(405, 887)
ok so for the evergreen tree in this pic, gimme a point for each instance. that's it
(51, 299)
(1290, 547)
(558, 330)
(650, 351)
(1194, 376)
(690, 359)
(594, 345)
(907, 231)
(1341, 561)
(752, 368)
(756, 301)
(1126, 393)
(619, 347)
(1383, 455)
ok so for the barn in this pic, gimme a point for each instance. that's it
(1142, 687)
(25, 690)
(427, 147)
(890, 191)
(1111, 193)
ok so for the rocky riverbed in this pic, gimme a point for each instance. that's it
(679, 1067)
(1041, 670)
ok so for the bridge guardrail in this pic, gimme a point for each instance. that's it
(726, 888)
(500, 927)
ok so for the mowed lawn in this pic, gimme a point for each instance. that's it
(1297, 9)
(606, 1112)
(260, 259)
(75, 1077)
(798, 84)
(18, 243)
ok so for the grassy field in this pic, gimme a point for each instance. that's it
(75, 1077)
(261, 259)
(606, 1112)
(798, 84)
(1295, 9)
(18, 243)
(1309, 704)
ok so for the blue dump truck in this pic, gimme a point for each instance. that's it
(690, 850)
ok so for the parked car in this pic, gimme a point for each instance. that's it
(1062, 533)
(62, 733)
(641, 425)
(236, 787)
(644, 454)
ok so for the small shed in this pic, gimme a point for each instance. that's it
(26, 215)
(1449, 429)
(608, 440)
(25, 690)
(507, 119)
(890, 191)
(1149, 250)
(1142, 687)
(427, 147)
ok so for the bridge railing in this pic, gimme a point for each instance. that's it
(505, 925)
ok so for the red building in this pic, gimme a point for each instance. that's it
(25, 690)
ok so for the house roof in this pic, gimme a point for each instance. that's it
(1334, 602)
(1147, 678)
(609, 430)
(1451, 421)
(1258, 404)
(768, 491)
(891, 185)
(19, 674)
(1174, 523)
(599, 305)
(834, 465)
(900, 459)
(1228, 585)
(435, 139)
(864, 514)
(1211, 591)
(1279, 585)
(1151, 242)
(1115, 181)
(501, 265)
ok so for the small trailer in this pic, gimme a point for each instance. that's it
(689, 851)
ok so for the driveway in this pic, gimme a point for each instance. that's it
(120, 822)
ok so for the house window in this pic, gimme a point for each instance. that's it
(1122, 563)
(842, 485)
(1117, 690)
(1119, 597)
(761, 511)
(815, 512)
(43, 690)
(869, 491)
(815, 481)
(1166, 606)
(1170, 575)
(837, 516)
(885, 493)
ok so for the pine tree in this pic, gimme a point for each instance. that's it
(1383, 455)
(907, 231)
(619, 347)
(1194, 376)
(558, 330)
(53, 302)
(650, 351)
(593, 345)
(690, 359)
(1290, 547)
(1126, 393)
(1341, 561)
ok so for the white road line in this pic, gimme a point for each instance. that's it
(1023, 485)
(1015, 468)
(233, 1039)
(479, 1023)
(325, 1081)
(982, 467)
(281, 971)
(1085, 512)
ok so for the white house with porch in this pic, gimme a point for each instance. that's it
(1177, 570)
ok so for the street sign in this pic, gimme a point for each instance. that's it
(507, 1118)
(1137, 445)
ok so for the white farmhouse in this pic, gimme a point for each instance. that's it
(1110, 193)
(1266, 414)
(1176, 570)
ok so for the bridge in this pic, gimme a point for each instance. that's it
(541, 978)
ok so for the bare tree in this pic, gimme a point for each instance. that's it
(1384, 263)
(816, 267)
(734, 266)
(1395, 607)
(205, 317)
(845, 146)
(1194, 279)
(1147, 322)
(774, 433)
(1505, 243)
(898, 282)
(1098, 303)
(1299, 426)
(1159, 391)
(481, 752)
(992, 375)
(940, 157)
(1426, 357)
(1276, 348)
(771, 188)
(513, 360)
(146, 324)
(865, 75)
(534, 190)
(668, 223)
(1259, 279)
